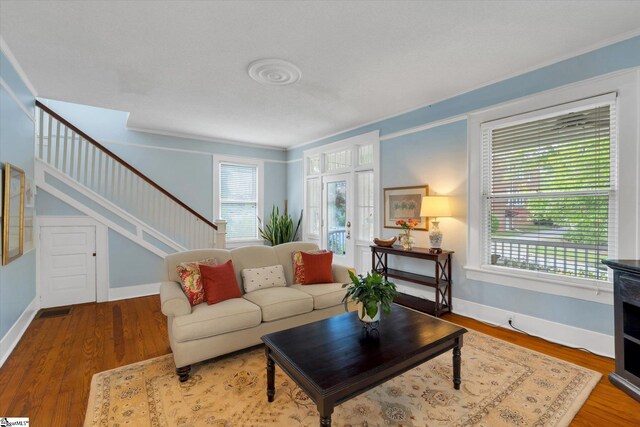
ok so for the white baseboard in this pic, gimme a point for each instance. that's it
(560, 333)
(136, 291)
(13, 335)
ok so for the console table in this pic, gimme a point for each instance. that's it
(626, 313)
(441, 283)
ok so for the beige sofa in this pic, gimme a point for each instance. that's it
(205, 331)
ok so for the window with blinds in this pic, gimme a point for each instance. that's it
(239, 200)
(548, 191)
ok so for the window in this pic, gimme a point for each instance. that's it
(337, 160)
(548, 191)
(239, 200)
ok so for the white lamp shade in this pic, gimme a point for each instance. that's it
(435, 206)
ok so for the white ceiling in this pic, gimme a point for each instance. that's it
(180, 66)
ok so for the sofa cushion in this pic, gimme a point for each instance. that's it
(252, 257)
(324, 295)
(298, 264)
(317, 268)
(263, 278)
(285, 251)
(191, 279)
(278, 303)
(209, 320)
(219, 282)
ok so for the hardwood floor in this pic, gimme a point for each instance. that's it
(48, 375)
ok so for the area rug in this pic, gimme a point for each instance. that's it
(502, 384)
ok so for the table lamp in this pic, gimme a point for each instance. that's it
(434, 207)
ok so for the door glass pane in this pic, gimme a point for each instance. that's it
(336, 216)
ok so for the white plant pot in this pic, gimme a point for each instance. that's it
(366, 317)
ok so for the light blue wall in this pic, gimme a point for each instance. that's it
(51, 205)
(130, 264)
(17, 279)
(187, 175)
(438, 157)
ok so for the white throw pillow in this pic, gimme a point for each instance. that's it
(263, 278)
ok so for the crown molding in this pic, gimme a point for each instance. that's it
(16, 66)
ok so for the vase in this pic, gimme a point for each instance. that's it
(435, 236)
(406, 240)
(369, 324)
(366, 318)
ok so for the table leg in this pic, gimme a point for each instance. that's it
(326, 409)
(271, 376)
(456, 367)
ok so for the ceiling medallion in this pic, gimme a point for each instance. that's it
(274, 72)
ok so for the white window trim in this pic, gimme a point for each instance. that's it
(626, 85)
(259, 164)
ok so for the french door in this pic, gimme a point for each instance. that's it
(341, 198)
(337, 217)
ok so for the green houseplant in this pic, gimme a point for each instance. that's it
(372, 292)
(279, 229)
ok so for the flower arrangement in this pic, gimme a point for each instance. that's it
(407, 225)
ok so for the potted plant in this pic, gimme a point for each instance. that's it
(373, 293)
(279, 229)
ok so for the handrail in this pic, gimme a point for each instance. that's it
(124, 163)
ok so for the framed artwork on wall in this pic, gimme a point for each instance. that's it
(404, 203)
(13, 214)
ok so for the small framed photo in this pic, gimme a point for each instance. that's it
(404, 203)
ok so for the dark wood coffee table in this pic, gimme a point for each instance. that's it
(334, 360)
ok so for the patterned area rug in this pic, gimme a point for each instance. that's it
(502, 384)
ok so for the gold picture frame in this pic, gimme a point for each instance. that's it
(13, 214)
(412, 199)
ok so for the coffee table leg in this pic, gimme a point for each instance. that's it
(456, 366)
(325, 409)
(271, 376)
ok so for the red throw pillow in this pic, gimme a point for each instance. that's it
(219, 282)
(317, 268)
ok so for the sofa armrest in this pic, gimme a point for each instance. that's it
(341, 273)
(173, 301)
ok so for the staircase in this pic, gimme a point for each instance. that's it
(80, 171)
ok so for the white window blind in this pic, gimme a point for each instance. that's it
(549, 188)
(338, 160)
(239, 200)
(365, 200)
(313, 213)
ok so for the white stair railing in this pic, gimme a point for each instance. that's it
(72, 152)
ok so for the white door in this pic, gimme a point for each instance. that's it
(67, 265)
(337, 218)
